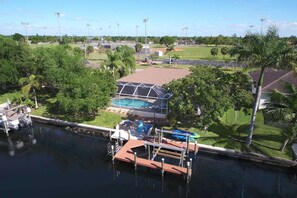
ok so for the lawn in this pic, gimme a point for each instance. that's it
(228, 134)
(196, 52)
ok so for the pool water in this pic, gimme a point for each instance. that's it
(131, 103)
(65, 164)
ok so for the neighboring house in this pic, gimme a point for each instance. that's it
(273, 80)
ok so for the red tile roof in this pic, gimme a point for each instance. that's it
(156, 75)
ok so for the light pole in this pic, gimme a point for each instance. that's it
(262, 21)
(251, 27)
(186, 29)
(58, 14)
(136, 33)
(118, 31)
(88, 25)
(145, 21)
(101, 36)
(26, 24)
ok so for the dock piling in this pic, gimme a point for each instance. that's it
(195, 149)
(162, 167)
(188, 171)
(112, 154)
(188, 145)
(148, 152)
(129, 134)
(135, 160)
(191, 163)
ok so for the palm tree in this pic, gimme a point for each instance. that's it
(264, 51)
(121, 62)
(169, 49)
(175, 57)
(30, 83)
(283, 108)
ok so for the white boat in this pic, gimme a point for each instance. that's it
(15, 117)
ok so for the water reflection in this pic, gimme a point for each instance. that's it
(49, 162)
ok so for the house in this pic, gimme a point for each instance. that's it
(273, 80)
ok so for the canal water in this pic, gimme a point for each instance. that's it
(45, 161)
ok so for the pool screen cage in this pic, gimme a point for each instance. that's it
(152, 93)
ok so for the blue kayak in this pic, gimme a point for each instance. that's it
(193, 136)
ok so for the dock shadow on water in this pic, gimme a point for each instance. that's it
(65, 164)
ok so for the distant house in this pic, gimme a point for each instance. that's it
(273, 80)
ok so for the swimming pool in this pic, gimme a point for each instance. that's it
(131, 103)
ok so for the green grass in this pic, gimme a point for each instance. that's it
(228, 134)
(197, 52)
(9, 95)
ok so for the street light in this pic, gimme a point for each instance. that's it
(58, 14)
(26, 24)
(145, 21)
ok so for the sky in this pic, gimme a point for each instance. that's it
(165, 17)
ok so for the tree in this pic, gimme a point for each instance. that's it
(121, 62)
(204, 88)
(224, 51)
(283, 108)
(18, 37)
(214, 51)
(90, 49)
(264, 51)
(175, 57)
(13, 62)
(138, 48)
(240, 90)
(169, 43)
(28, 84)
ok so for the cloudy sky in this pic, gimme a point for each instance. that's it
(165, 17)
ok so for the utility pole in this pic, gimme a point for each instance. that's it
(58, 14)
(26, 24)
(145, 21)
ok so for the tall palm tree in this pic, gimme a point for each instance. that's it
(264, 51)
(30, 83)
(283, 108)
(121, 62)
(169, 49)
(175, 57)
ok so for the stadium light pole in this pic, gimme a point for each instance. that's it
(118, 31)
(136, 33)
(186, 31)
(145, 21)
(26, 24)
(59, 14)
(262, 21)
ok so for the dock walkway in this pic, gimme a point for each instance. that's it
(126, 155)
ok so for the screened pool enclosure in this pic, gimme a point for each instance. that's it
(142, 96)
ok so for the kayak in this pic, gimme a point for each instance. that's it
(193, 136)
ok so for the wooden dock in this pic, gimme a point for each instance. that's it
(126, 155)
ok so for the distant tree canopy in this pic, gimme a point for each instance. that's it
(207, 89)
(167, 41)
